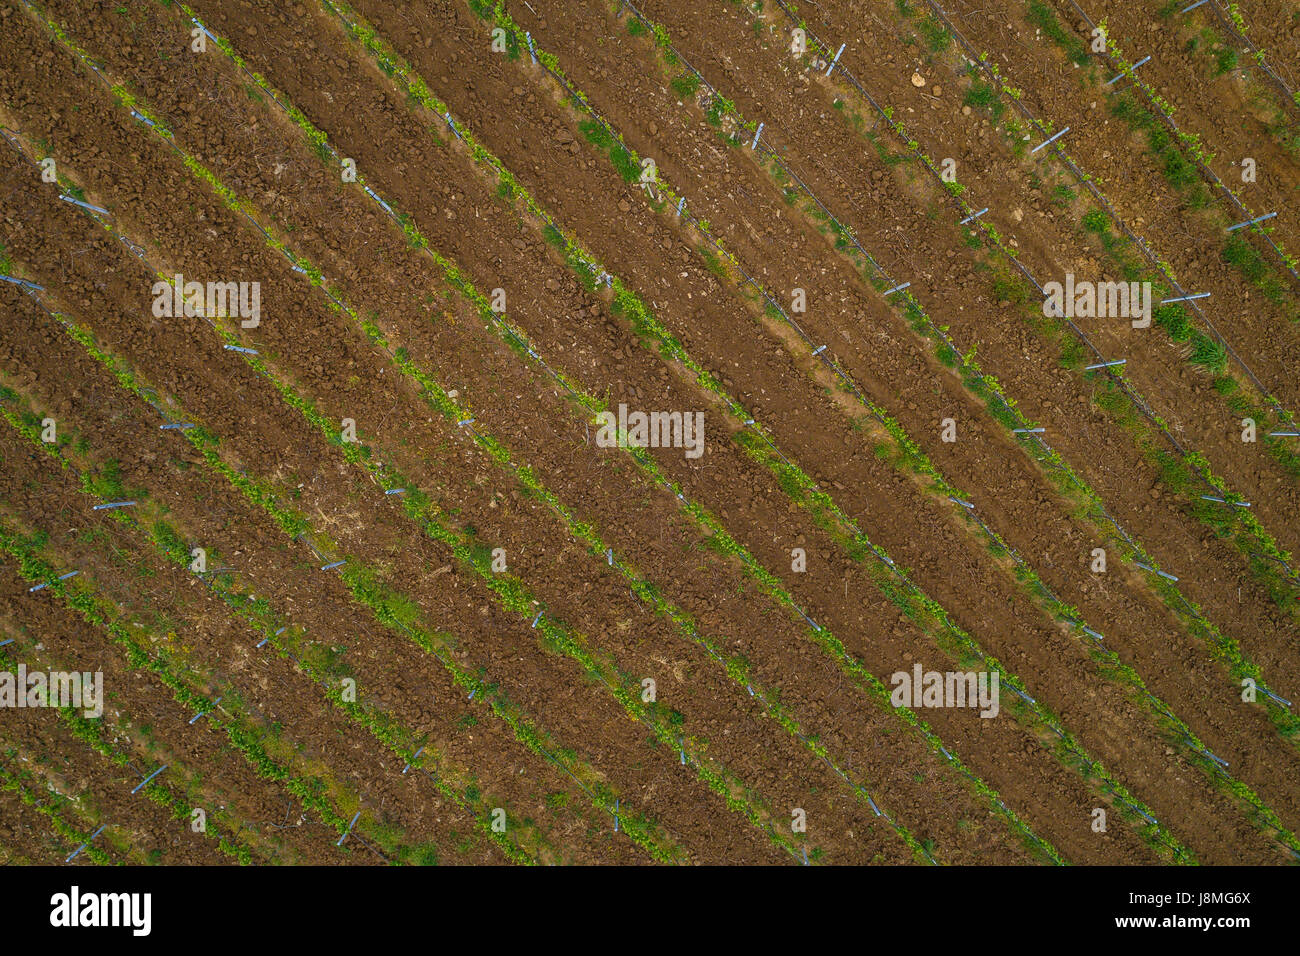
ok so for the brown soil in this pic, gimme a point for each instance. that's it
(727, 508)
(1276, 30)
(413, 161)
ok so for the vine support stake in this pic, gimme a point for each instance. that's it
(1051, 140)
(1224, 501)
(1130, 70)
(148, 778)
(757, 134)
(1089, 368)
(976, 216)
(62, 577)
(416, 756)
(1251, 222)
(73, 854)
(211, 35)
(195, 719)
(355, 818)
(836, 60)
(23, 282)
(1185, 298)
(84, 205)
(1164, 574)
(387, 208)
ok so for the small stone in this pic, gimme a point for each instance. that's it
(918, 80)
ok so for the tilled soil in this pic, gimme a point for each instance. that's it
(408, 555)
(1132, 613)
(1189, 240)
(1276, 29)
(1211, 101)
(327, 738)
(614, 106)
(149, 828)
(28, 838)
(235, 797)
(323, 357)
(1076, 429)
(896, 659)
(420, 691)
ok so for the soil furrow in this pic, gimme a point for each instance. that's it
(1276, 30)
(56, 824)
(394, 472)
(356, 108)
(1123, 613)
